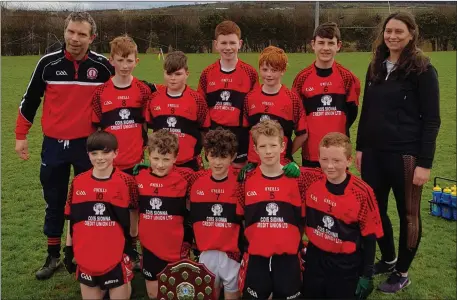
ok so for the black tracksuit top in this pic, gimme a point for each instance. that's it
(401, 115)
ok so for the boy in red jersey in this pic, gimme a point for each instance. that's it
(272, 207)
(99, 222)
(225, 84)
(180, 110)
(342, 225)
(119, 104)
(118, 107)
(330, 92)
(213, 212)
(163, 213)
(272, 100)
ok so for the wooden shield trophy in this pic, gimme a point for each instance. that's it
(186, 280)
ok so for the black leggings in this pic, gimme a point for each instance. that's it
(384, 171)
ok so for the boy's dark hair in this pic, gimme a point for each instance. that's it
(220, 143)
(327, 30)
(175, 61)
(102, 140)
(164, 142)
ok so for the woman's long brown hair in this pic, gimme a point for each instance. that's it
(412, 59)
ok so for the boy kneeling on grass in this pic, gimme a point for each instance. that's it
(213, 212)
(342, 225)
(165, 233)
(99, 223)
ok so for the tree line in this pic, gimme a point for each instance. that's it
(27, 32)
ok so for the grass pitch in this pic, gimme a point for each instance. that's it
(433, 272)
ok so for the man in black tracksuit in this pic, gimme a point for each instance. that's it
(67, 78)
(397, 134)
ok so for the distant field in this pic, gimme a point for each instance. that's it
(433, 272)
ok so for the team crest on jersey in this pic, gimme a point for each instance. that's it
(217, 210)
(99, 209)
(264, 117)
(326, 100)
(92, 73)
(225, 95)
(124, 113)
(272, 208)
(171, 121)
(328, 222)
(155, 203)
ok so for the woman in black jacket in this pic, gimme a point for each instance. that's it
(396, 138)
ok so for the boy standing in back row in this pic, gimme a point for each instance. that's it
(225, 84)
(330, 92)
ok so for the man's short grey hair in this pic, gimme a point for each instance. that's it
(80, 16)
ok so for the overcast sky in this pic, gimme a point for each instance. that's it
(88, 5)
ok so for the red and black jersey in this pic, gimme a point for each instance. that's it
(186, 116)
(121, 112)
(213, 212)
(225, 92)
(336, 223)
(98, 210)
(285, 107)
(67, 86)
(326, 101)
(273, 211)
(162, 205)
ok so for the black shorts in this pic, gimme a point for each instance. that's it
(121, 274)
(280, 275)
(310, 163)
(329, 275)
(151, 265)
(128, 171)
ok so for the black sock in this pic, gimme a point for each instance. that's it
(54, 246)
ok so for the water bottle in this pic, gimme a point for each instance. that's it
(446, 196)
(454, 204)
(436, 195)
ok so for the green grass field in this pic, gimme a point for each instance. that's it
(433, 272)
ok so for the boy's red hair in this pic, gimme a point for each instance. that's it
(274, 57)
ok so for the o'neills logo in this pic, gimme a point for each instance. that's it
(272, 189)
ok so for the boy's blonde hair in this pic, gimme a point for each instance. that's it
(123, 46)
(270, 128)
(274, 57)
(337, 139)
(226, 28)
(164, 142)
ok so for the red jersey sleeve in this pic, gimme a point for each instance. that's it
(252, 73)
(299, 115)
(369, 219)
(239, 194)
(202, 112)
(351, 84)
(246, 111)
(202, 83)
(97, 106)
(132, 188)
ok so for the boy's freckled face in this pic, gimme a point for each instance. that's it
(124, 66)
(334, 161)
(161, 164)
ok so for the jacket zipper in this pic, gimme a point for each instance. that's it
(76, 65)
